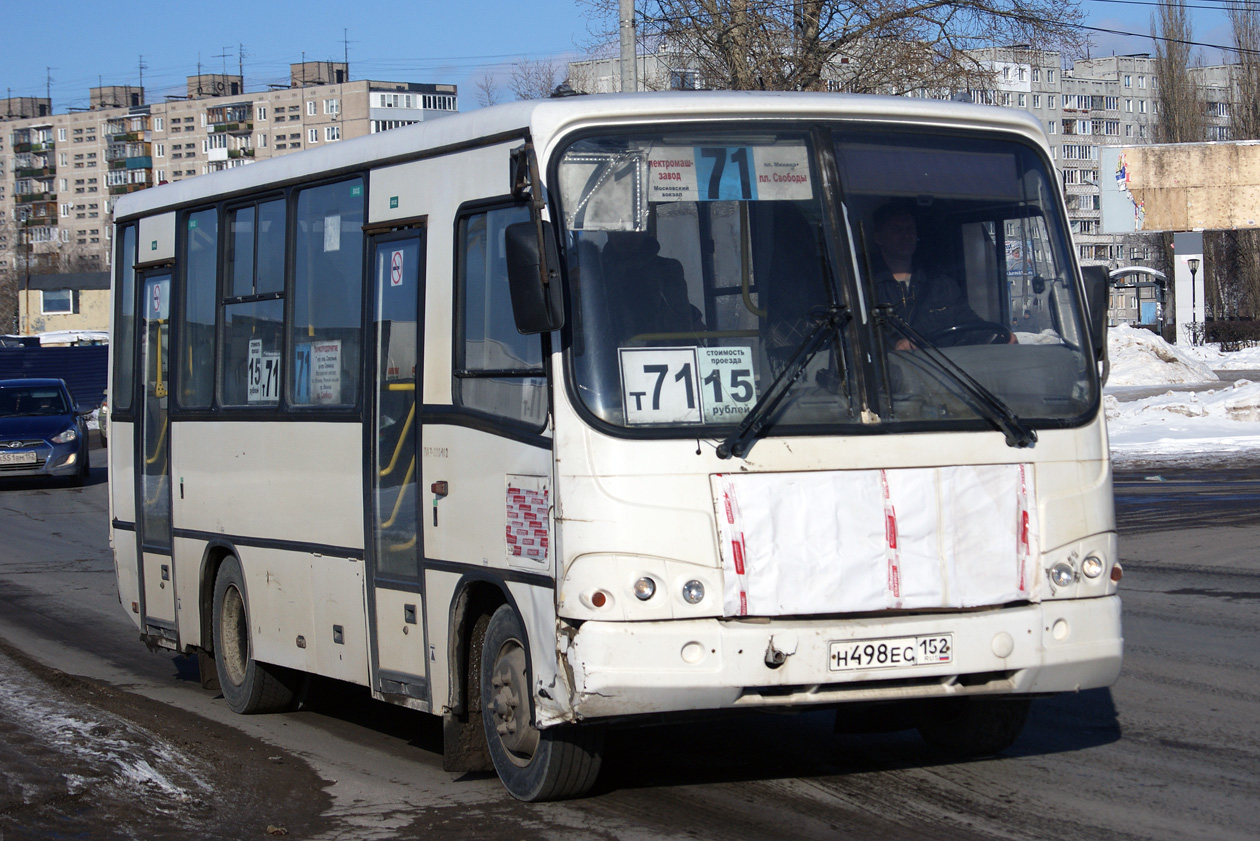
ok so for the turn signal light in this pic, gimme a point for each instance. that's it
(1117, 572)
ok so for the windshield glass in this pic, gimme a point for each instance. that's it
(26, 401)
(961, 239)
(694, 262)
(700, 261)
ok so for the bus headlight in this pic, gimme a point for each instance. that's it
(644, 589)
(1062, 574)
(693, 592)
(1092, 566)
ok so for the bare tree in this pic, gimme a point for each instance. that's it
(487, 90)
(1244, 112)
(1181, 117)
(535, 79)
(864, 46)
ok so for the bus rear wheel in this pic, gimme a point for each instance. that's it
(534, 764)
(963, 727)
(247, 685)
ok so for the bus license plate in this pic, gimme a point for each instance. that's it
(17, 458)
(892, 652)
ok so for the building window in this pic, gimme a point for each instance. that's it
(158, 122)
(58, 301)
(1053, 126)
(1141, 81)
(1141, 106)
(261, 113)
(159, 150)
(1036, 74)
(1049, 77)
(332, 132)
(1128, 81)
(310, 108)
(332, 106)
(262, 141)
(1036, 100)
(1051, 100)
(61, 135)
(312, 135)
(1023, 100)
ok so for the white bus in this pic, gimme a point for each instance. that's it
(564, 414)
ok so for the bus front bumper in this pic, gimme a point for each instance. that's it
(633, 668)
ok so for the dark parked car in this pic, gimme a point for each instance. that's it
(42, 431)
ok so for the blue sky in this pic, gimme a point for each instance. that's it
(425, 41)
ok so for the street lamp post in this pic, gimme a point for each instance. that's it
(1193, 264)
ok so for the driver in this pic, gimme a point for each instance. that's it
(929, 302)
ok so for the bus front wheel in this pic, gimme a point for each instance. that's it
(247, 685)
(534, 764)
(963, 727)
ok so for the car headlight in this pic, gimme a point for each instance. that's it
(66, 437)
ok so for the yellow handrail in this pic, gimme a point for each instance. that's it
(745, 259)
(157, 449)
(402, 438)
(398, 502)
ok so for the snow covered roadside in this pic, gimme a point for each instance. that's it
(1179, 425)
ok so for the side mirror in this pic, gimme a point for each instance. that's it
(1097, 284)
(534, 277)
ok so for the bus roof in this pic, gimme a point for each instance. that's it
(546, 119)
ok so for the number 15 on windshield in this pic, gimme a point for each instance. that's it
(687, 385)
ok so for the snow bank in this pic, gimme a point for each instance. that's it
(1139, 357)
(1185, 423)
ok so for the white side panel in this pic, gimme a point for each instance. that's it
(122, 491)
(156, 240)
(399, 643)
(159, 587)
(187, 566)
(868, 540)
(439, 587)
(127, 574)
(281, 481)
(291, 627)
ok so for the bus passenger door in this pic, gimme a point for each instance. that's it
(396, 590)
(153, 486)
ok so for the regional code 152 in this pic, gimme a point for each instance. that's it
(892, 652)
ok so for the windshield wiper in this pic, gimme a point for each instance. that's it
(1018, 433)
(826, 320)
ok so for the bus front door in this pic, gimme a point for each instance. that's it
(396, 589)
(153, 485)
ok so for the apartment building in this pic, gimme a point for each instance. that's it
(59, 173)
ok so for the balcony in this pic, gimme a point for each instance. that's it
(232, 128)
(126, 188)
(39, 172)
(28, 198)
(240, 153)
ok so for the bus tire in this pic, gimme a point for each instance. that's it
(548, 764)
(964, 727)
(247, 685)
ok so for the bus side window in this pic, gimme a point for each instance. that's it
(325, 337)
(497, 370)
(194, 368)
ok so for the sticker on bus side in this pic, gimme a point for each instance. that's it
(528, 534)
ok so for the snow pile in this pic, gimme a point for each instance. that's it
(1212, 356)
(1185, 424)
(1139, 357)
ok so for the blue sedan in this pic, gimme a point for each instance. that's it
(42, 431)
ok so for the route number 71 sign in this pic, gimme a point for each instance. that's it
(686, 385)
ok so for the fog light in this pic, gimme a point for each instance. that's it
(693, 592)
(1092, 566)
(644, 589)
(1062, 574)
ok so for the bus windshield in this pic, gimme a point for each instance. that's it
(699, 261)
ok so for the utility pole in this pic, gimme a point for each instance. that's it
(629, 80)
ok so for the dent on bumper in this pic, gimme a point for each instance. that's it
(627, 668)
